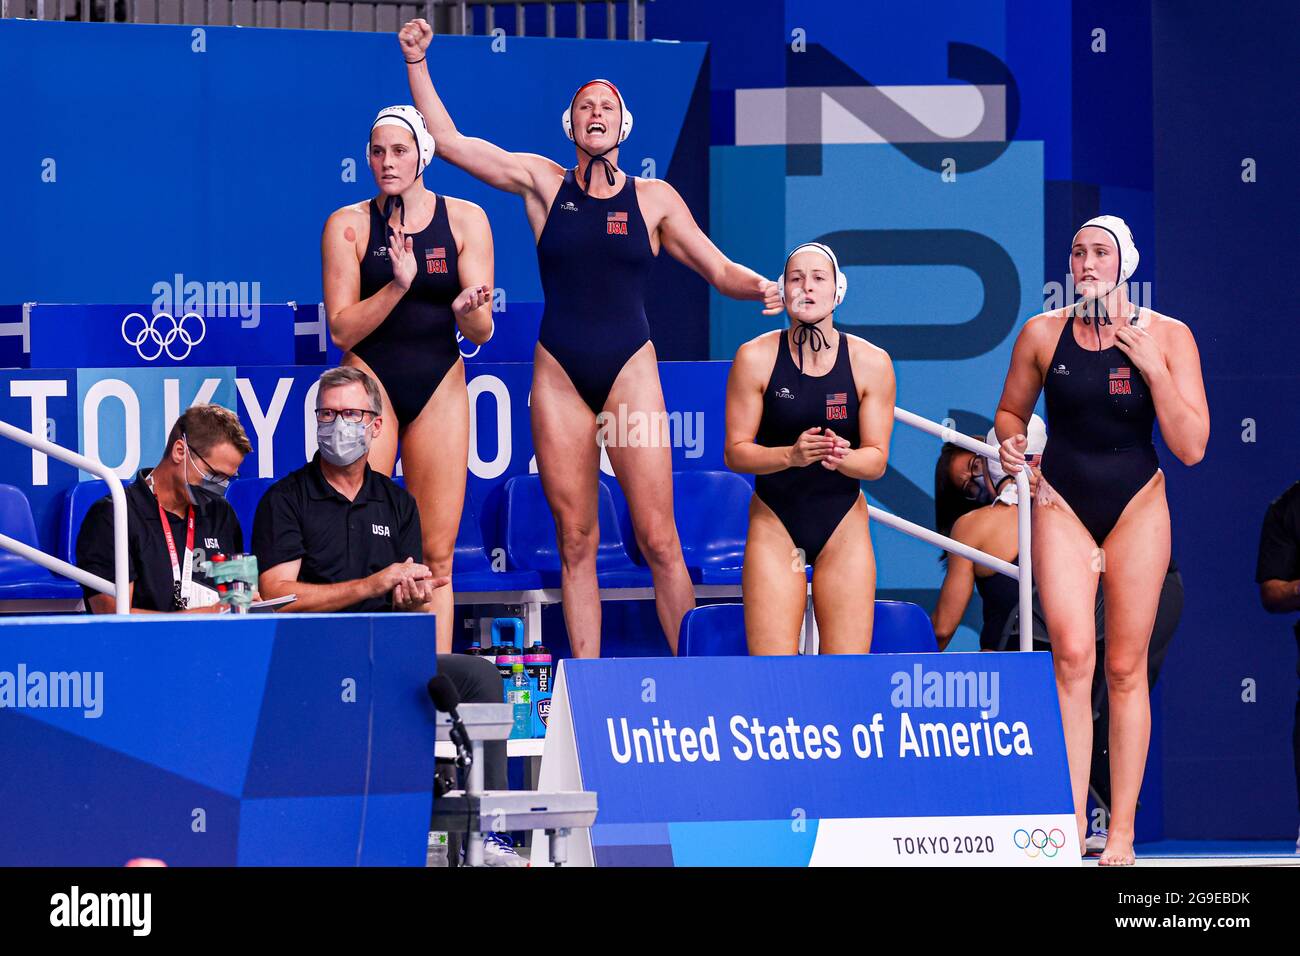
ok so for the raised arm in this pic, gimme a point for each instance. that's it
(517, 173)
(687, 243)
(350, 317)
(473, 307)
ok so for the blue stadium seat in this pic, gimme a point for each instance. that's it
(714, 630)
(719, 630)
(902, 628)
(243, 495)
(20, 579)
(531, 544)
(712, 511)
(76, 502)
(471, 568)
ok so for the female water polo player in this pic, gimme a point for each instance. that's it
(598, 231)
(403, 272)
(809, 411)
(1100, 508)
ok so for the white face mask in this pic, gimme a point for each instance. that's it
(341, 443)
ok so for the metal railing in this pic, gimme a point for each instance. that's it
(1021, 573)
(118, 588)
(446, 16)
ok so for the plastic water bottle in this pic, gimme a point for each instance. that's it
(520, 699)
(508, 654)
(437, 854)
(475, 649)
(539, 666)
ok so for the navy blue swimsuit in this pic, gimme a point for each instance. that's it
(594, 257)
(811, 501)
(1100, 414)
(412, 350)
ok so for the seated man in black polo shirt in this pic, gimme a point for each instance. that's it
(1277, 572)
(345, 538)
(175, 509)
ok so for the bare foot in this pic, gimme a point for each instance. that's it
(1118, 852)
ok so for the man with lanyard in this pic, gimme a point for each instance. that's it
(345, 538)
(179, 503)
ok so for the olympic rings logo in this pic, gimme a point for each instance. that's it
(150, 340)
(1039, 841)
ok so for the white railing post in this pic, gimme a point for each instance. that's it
(118, 587)
(1022, 572)
(1025, 560)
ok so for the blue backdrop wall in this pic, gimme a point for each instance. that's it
(948, 149)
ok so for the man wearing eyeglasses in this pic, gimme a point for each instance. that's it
(338, 535)
(176, 513)
(345, 538)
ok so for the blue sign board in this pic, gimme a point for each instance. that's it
(251, 740)
(834, 760)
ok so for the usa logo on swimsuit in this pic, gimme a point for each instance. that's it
(837, 406)
(616, 224)
(435, 260)
(1121, 381)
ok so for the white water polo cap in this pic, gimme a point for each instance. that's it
(625, 115)
(1123, 236)
(841, 280)
(411, 120)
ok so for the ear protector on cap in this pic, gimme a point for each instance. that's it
(409, 118)
(625, 123)
(841, 280)
(1123, 236)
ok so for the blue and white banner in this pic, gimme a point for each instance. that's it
(121, 416)
(909, 759)
(223, 331)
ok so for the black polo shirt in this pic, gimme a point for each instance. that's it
(303, 516)
(216, 528)
(1279, 542)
